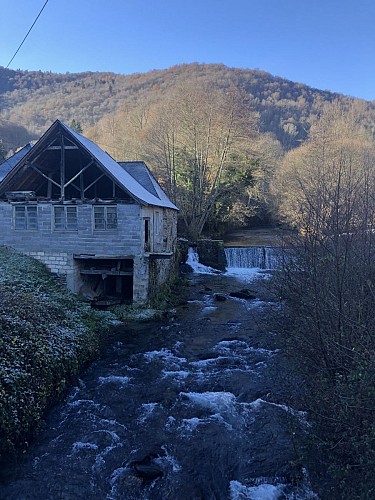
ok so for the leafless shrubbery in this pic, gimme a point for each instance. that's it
(327, 190)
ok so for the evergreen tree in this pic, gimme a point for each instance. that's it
(76, 125)
(2, 151)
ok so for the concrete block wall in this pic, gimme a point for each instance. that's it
(57, 263)
(125, 240)
(60, 264)
(55, 248)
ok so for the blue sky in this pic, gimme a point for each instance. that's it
(328, 44)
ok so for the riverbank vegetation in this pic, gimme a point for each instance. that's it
(230, 147)
(205, 148)
(326, 189)
(46, 337)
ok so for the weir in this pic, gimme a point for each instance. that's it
(252, 257)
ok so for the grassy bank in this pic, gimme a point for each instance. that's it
(46, 337)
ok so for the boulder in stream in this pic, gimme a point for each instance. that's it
(243, 294)
(220, 297)
(147, 468)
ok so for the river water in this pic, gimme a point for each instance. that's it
(200, 406)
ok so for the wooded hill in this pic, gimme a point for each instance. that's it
(31, 100)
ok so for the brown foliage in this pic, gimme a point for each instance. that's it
(326, 187)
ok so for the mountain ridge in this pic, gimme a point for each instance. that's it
(31, 100)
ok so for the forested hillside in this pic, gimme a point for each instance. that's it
(212, 135)
(31, 100)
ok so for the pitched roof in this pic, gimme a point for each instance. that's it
(141, 173)
(11, 162)
(149, 193)
(127, 181)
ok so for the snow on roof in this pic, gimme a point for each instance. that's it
(11, 162)
(127, 181)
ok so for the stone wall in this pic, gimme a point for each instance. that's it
(211, 253)
(161, 272)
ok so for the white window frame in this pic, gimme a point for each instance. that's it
(66, 222)
(107, 221)
(29, 217)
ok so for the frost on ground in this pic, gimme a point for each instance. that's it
(46, 336)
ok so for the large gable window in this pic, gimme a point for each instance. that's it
(105, 217)
(65, 218)
(25, 217)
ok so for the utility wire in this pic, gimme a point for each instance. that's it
(27, 34)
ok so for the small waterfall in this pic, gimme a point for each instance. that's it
(193, 262)
(252, 257)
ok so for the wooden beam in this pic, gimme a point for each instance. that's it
(98, 256)
(82, 187)
(94, 182)
(62, 170)
(52, 148)
(76, 187)
(78, 174)
(49, 144)
(44, 175)
(106, 272)
(49, 189)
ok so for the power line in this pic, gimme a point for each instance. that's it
(27, 34)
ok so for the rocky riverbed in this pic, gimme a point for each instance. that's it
(200, 406)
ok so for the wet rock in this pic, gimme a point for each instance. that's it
(243, 294)
(148, 472)
(147, 469)
(219, 297)
(185, 269)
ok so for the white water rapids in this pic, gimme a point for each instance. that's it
(204, 399)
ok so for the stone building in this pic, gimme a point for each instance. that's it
(106, 228)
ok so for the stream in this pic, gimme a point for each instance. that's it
(195, 407)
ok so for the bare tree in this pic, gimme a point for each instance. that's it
(192, 142)
(326, 189)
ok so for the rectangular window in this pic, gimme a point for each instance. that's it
(147, 235)
(105, 217)
(65, 218)
(25, 217)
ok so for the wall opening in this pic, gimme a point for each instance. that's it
(106, 281)
(147, 234)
